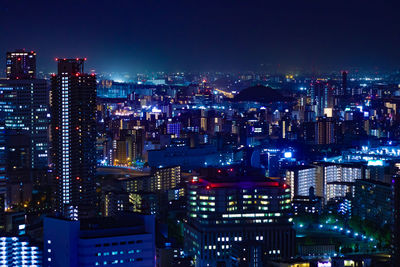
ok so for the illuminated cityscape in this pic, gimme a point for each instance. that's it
(207, 134)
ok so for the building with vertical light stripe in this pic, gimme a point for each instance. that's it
(73, 107)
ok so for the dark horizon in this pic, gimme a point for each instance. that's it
(210, 36)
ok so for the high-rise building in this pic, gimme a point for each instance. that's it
(24, 105)
(227, 212)
(325, 131)
(73, 107)
(21, 65)
(322, 97)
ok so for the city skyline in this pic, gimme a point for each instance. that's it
(199, 134)
(223, 36)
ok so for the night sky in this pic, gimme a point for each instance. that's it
(146, 35)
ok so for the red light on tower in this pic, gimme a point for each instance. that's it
(56, 59)
(77, 178)
(219, 171)
(208, 187)
(19, 59)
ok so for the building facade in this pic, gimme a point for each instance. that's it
(73, 108)
(116, 241)
(224, 213)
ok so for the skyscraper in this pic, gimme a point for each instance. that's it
(24, 109)
(321, 95)
(73, 107)
(21, 65)
(325, 131)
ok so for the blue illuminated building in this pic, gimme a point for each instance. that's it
(174, 128)
(112, 89)
(24, 108)
(17, 251)
(128, 240)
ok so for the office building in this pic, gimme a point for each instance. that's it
(227, 212)
(21, 65)
(17, 251)
(128, 240)
(73, 108)
(24, 103)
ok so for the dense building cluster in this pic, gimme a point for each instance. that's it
(197, 169)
